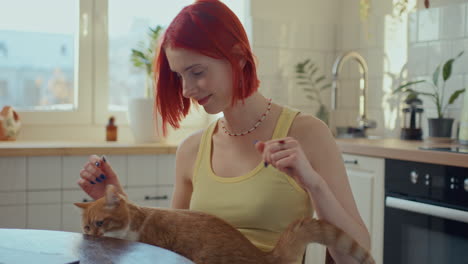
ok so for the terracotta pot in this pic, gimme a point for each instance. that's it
(10, 124)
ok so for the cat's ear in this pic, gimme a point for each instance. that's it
(82, 205)
(112, 197)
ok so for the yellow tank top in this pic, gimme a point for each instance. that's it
(261, 203)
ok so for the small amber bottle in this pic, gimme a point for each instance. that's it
(111, 130)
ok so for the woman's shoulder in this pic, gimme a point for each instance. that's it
(308, 127)
(189, 146)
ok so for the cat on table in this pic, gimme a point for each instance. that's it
(204, 238)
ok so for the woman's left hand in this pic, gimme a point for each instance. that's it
(286, 155)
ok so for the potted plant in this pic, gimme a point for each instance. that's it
(440, 126)
(314, 86)
(141, 109)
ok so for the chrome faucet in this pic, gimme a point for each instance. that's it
(363, 122)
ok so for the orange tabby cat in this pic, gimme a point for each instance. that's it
(205, 238)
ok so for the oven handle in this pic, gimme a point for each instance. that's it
(427, 209)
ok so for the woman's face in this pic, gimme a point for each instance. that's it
(206, 80)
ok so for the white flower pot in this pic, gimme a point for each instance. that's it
(143, 122)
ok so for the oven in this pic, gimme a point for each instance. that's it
(426, 213)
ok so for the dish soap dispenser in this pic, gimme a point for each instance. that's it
(111, 130)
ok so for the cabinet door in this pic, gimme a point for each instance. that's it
(166, 169)
(366, 178)
(44, 210)
(13, 173)
(12, 209)
(71, 215)
(142, 170)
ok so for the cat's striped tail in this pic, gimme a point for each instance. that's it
(294, 241)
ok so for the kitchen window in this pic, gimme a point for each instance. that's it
(68, 62)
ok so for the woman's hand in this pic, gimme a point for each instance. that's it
(286, 155)
(95, 175)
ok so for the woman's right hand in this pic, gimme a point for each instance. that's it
(95, 175)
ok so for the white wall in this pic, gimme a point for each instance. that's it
(287, 32)
(423, 39)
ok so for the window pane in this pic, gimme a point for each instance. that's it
(128, 25)
(37, 54)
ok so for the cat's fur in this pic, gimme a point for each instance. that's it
(205, 238)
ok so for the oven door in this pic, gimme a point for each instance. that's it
(418, 232)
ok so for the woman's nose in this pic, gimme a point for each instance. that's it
(188, 90)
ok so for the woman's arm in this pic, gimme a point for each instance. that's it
(331, 195)
(185, 160)
(311, 157)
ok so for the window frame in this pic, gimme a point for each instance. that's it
(92, 79)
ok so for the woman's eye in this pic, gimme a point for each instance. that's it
(99, 223)
(198, 73)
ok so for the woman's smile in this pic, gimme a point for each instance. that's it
(204, 100)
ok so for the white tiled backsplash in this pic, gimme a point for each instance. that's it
(282, 37)
(438, 34)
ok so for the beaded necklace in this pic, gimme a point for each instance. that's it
(253, 128)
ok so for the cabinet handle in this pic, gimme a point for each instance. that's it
(351, 162)
(163, 197)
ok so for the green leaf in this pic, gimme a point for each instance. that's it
(401, 88)
(303, 83)
(319, 79)
(447, 70)
(326, 86)
(313, 72)
(435, 76)
(455, 95)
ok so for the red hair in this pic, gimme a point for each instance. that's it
(210, 28)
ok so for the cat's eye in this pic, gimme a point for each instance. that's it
(99, 223)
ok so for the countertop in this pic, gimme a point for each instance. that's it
(392, 148)
(383, 148)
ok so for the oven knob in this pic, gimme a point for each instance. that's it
(414, 177)
(466, 184)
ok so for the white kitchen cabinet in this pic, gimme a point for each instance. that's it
(39, 191)
(44, 210)
(12, 173)
(366, 178)
(12, 209)
(142, 170)
(44, 173)
(13, 192)
(71, 215)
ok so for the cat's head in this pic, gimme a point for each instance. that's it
(108, 215)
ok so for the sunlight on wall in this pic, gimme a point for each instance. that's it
(396, 57)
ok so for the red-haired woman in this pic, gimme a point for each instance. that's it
(259, 167)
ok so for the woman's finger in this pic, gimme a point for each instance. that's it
(275, 157)
(285, 164)
(95, 172)
(84, 174)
